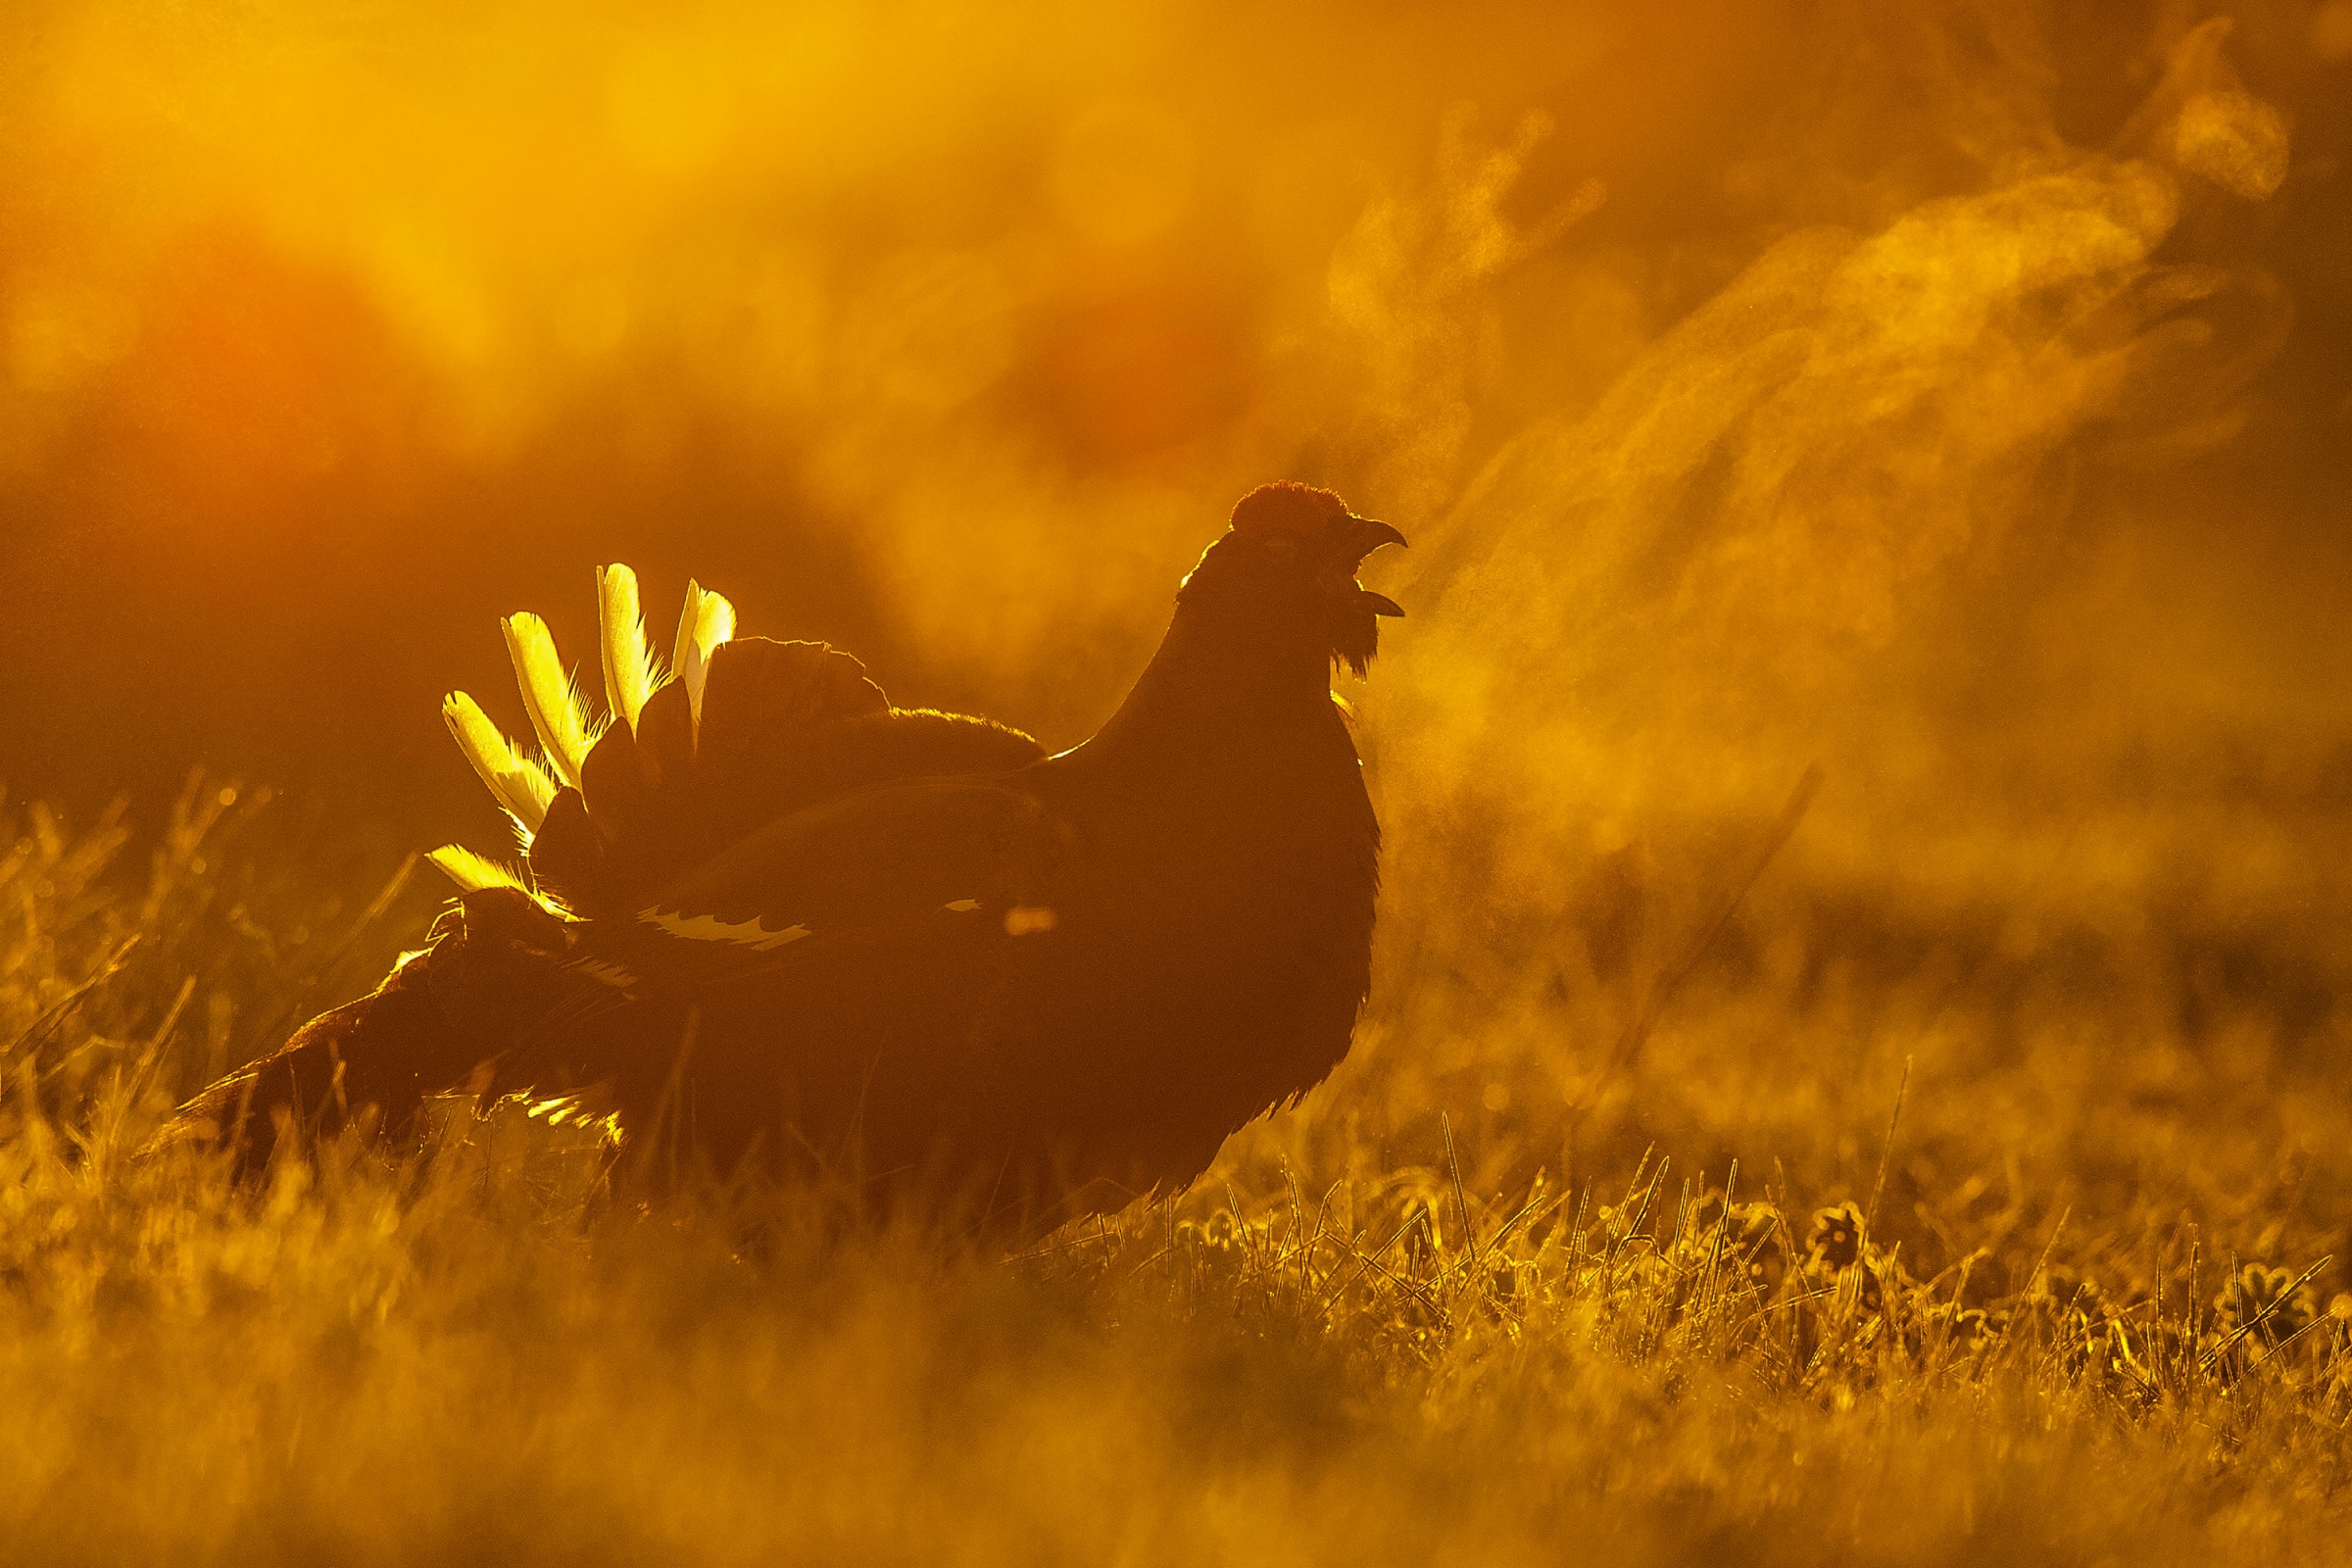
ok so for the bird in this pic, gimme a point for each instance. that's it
(764, 912)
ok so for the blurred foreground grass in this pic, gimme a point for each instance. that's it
(1447, 1312)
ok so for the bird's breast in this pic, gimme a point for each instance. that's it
(1224, 912)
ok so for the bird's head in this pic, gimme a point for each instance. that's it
(1292, 553)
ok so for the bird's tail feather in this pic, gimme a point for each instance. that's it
(707, 621)
(752, 728)
(630, 670)
(523, 786)
(549, 694)
(526, 786)
(473, 872)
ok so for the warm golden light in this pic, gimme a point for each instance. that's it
(1872, 702)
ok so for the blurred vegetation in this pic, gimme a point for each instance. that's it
(1894, 1330)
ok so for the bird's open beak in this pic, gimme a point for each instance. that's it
(1366, 535)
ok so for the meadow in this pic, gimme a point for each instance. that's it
(1446, 1309)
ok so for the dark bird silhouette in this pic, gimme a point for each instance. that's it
(768, 912)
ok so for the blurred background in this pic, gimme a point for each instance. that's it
(1951, 395)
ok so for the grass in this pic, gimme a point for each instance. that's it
(1471, 1302)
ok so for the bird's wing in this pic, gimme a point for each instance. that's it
(928, 856)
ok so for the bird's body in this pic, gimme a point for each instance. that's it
(776, 917)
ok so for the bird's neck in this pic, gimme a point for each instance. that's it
(1223, 672)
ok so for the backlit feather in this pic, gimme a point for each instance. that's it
(474, 872)
(630, 671)
(706, 623)
(549, 694)
(522, 785)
